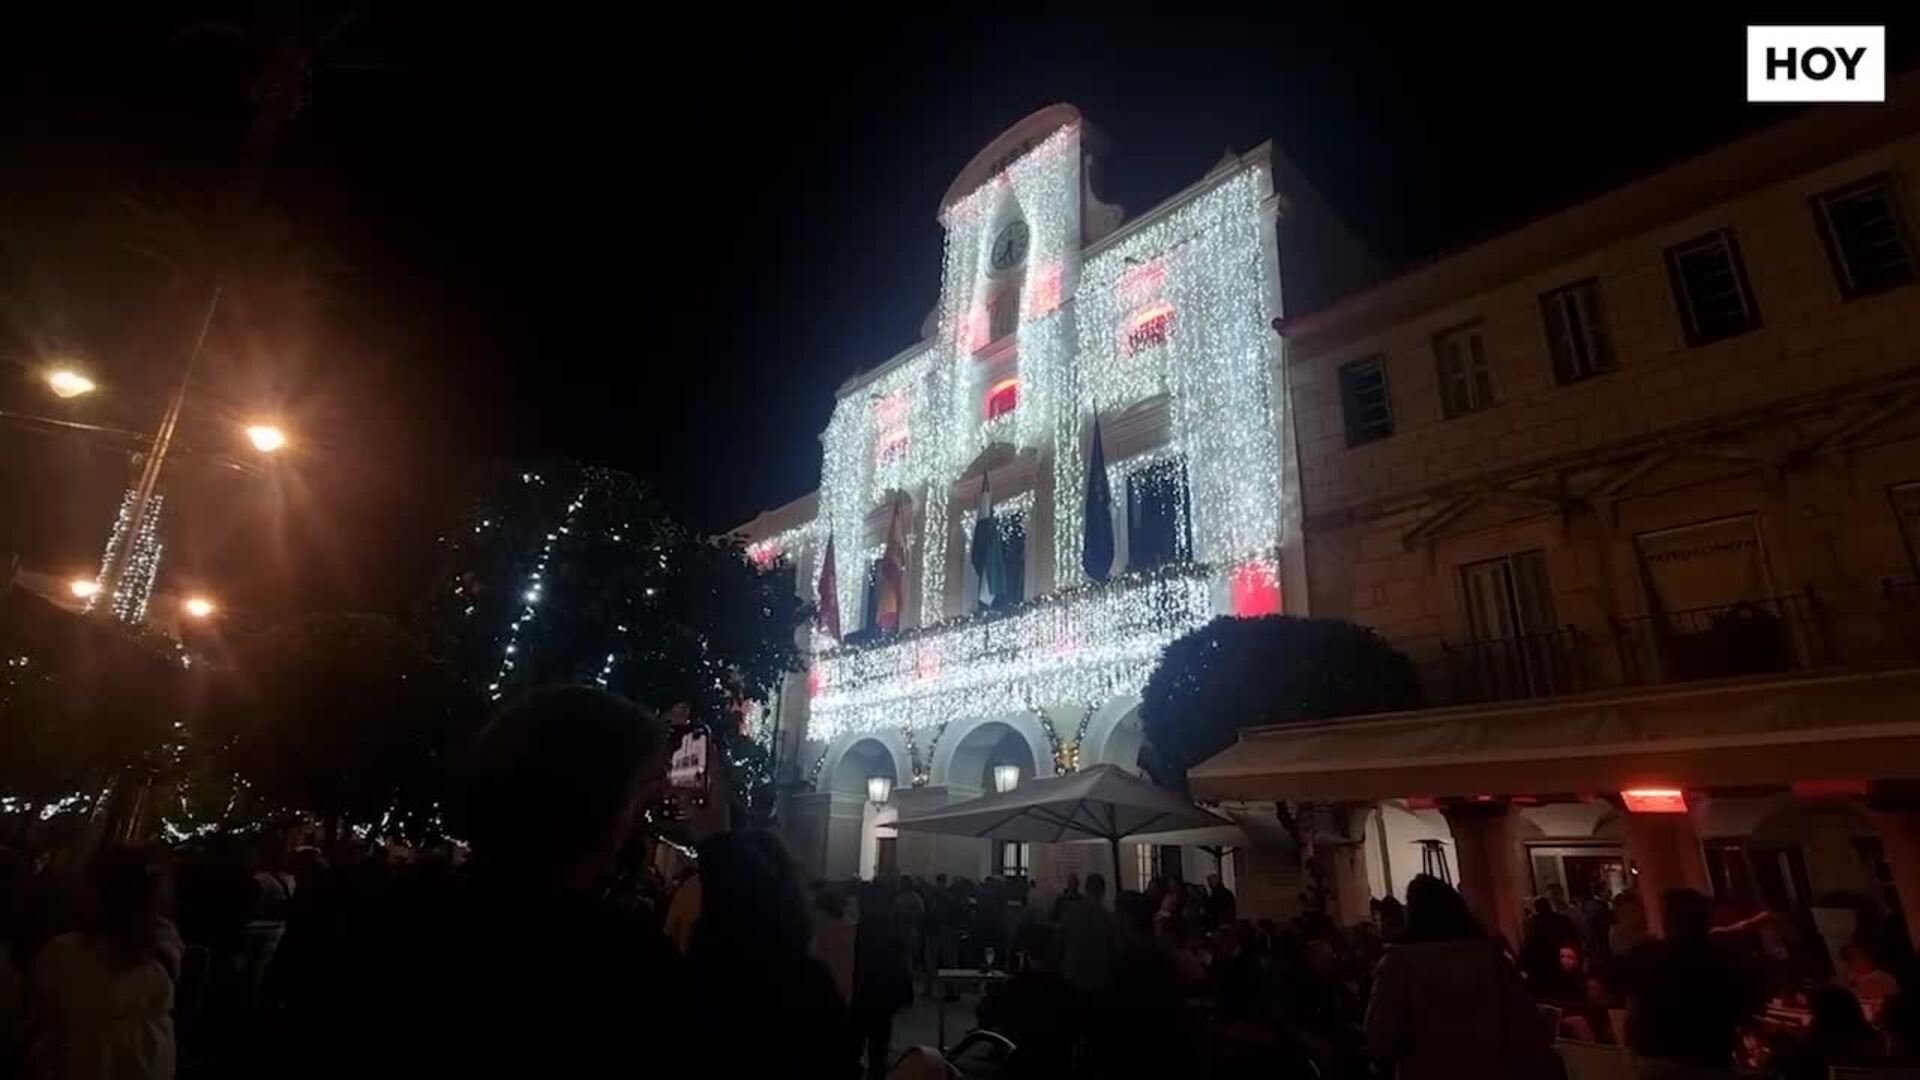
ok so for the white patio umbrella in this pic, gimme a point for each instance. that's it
(1104, 802)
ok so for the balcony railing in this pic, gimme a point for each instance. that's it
(1756, 637)
(1524, 666)
(1066, 648)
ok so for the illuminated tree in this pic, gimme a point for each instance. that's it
(564, 573)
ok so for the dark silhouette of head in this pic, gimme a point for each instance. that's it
(129, 894)
(1096, 887)
(1436, 912)
(551, 786)
(1685, 914)
(751, 902)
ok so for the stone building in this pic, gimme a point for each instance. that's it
(951, 659)
(1637, 485)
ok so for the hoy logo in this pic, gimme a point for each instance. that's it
(1816, 63)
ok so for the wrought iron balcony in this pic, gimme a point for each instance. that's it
(1526, 665)
(1074, 647)
(1757, 637)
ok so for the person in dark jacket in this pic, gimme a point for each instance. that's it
(755, 931)
(1686, 995)
(1446, 1003)
(882, 977)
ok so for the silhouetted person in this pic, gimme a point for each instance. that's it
(1446, 1003)
(882, 977)
(754, 931)
(1089, 937)
(1222, 909)
(1035, 1008)
(102, 998)
(1067, 896)
(1686, 995)
(522, 964)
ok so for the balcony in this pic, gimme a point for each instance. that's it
(1079, 647)
(1528, 665)
(1776, 635)
(1761, 637)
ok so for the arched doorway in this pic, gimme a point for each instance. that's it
(971, 757)
(861, 841)
(1114, 735)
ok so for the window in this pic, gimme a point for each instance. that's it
(1865, 236)
(1364, 406)
(1003, 313)
(1576, 331)
(1508, 597)
(1710, 287)
(1012, 858)
(1515, 651)
(1002, 570)
(1158, 530)
(1003, 398)
(1147, 328)
(1465, 385)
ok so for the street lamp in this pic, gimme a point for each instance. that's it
(68, 383)
(878, 789)
(198, 607)
(1005, 778)
(266, 438)
(83, 588)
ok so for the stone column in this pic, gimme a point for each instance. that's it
(1483, 840)
(1666, 851)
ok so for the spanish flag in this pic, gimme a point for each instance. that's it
(893, 576)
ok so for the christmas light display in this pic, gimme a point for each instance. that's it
(1077, 648)
(531, 593)
(135, 586)
(1178, 307)
(1198, 277)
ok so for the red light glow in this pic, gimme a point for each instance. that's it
(1046, 290)
(1142, 283)
(1003, 398)
(1148, 326)
(1254, 590)
(1655, 800)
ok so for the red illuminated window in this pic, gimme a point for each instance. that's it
(893, 446)
(891, 416)
(1148, 327)
(1003, 398)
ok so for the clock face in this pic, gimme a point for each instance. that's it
(1010, 246)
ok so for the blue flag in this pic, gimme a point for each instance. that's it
(1096, 554)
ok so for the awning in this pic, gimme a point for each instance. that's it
(1852, 726)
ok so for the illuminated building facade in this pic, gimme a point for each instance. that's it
(1065, 336)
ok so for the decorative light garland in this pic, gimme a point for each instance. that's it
(1077, 648)
(135, 586)
(1180, 307)
(530, 595)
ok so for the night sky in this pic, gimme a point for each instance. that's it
(559, 232)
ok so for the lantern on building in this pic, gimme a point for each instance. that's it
(878, 789)
(1005, 778)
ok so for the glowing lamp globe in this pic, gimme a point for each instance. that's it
(1006, 778)
(879, 788)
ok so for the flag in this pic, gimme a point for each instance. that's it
(893, 576)
(986, 544)
(829, 598)
(1096, 554)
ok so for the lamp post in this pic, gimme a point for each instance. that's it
(113, 573)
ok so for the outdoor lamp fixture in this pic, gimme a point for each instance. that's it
(83, 588)
(266, 438)
(198, 607)
(68, 383)
(1005, 778)
(878, 788)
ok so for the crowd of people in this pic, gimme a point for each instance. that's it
(551, 944)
